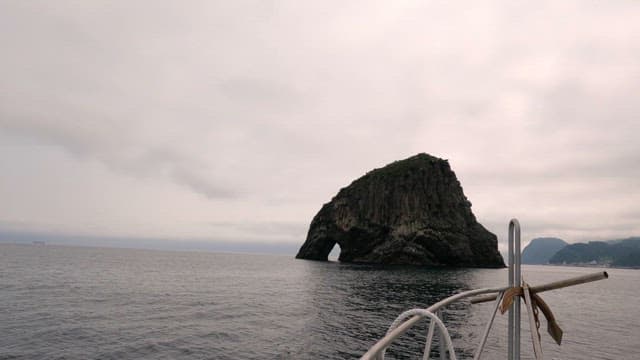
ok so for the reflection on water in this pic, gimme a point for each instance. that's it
(598, 319)
(364, 299)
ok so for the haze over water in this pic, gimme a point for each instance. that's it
(96, 303)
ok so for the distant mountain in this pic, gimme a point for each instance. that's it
(616, 253)
(540, 250)
(632, 241)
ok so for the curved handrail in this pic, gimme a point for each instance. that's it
(376, 352)
(433, 317)
(384, 343)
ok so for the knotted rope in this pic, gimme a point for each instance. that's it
(553, 328)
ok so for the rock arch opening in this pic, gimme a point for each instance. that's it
(334, 254)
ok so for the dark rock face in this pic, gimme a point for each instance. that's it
(409, 212)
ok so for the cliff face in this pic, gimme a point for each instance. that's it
(409, 212)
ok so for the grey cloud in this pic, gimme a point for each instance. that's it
(132, 158)
(201, 185)
(252, 90)
(283, 231)
(270, 107)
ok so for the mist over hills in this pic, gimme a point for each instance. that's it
(613, 253)
(616, 253)
(540, 250)
(219, 245)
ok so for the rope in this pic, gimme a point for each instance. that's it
(424, 313)
(537, 303)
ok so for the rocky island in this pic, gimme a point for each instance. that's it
(411, 211)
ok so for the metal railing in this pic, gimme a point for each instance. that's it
(515, 277)
(515, 286)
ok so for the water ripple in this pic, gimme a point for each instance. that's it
(90, 303)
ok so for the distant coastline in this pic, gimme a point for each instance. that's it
(619, 253)
(589, 265)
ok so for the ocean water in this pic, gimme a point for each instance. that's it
(95, 303)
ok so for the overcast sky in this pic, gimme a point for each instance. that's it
(236, 120)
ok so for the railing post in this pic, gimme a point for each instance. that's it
(515, 280)
(435, 314)
(487, 329)
(443, 348)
